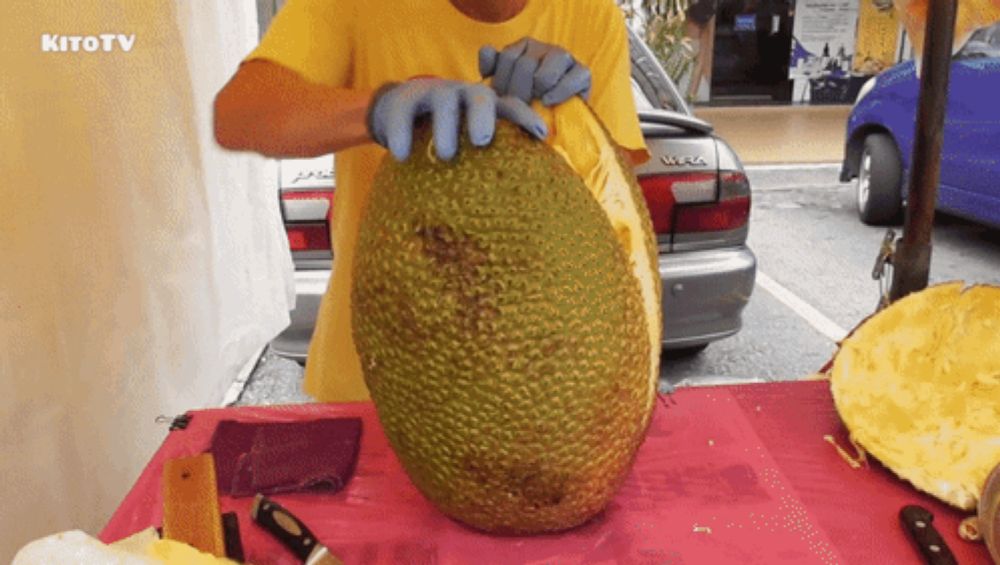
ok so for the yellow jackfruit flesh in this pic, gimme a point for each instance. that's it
(584, 143)
(918, 386)
(508, 322)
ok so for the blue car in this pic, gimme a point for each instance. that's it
(880, 136)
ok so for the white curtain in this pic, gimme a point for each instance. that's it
(140, 266)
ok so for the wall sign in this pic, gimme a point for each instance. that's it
(823, 45)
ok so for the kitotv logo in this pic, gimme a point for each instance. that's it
(104, 42)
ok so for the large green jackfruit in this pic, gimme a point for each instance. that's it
(507, 316)
(918, 386)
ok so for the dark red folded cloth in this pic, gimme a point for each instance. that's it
(272, 458)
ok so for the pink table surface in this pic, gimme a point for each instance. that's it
(735, 474)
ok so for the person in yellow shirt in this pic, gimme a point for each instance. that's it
(352, 77)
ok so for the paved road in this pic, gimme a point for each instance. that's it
(814, 284)
(815, 262)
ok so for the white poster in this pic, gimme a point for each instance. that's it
(823, 43)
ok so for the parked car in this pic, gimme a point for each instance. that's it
(881, 128)
(695, 187)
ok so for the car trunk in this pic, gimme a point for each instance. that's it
(696, 190)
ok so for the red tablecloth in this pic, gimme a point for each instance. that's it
(736, 474)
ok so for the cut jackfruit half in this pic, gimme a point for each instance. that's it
(583, 141)
(918, 386)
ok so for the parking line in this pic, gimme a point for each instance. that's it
(814, 317)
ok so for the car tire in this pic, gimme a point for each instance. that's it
(684, 352)
(878, 189)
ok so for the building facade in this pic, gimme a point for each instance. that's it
(751, 52)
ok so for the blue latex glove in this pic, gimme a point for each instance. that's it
(396, 107)
(530, 70)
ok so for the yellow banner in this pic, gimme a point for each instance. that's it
(878, 37)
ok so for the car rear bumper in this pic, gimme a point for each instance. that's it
(704, 294)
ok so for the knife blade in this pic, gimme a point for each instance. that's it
(917, 521)
(291, 532)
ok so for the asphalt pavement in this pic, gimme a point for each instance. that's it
(814, 284)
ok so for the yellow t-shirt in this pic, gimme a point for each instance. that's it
(363, 45)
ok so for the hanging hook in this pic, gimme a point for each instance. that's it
(883, 266)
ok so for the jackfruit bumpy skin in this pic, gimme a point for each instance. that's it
(502, 334)
(918, 386)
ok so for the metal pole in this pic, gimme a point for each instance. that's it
(912, 259)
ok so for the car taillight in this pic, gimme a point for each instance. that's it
(660, 201)
(308, 237)
(307, 219)
(666, 193)
(310, 206)
(731, 211)
(697, 202)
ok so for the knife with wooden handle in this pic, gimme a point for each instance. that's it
(917, 521)
(291, 532)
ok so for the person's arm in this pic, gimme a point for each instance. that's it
(272, 110)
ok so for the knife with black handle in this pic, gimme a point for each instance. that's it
(917, 521)
(290, 531)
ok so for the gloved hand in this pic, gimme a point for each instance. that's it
(530, 69)
(396, 107)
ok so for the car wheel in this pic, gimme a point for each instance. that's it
(880, 175)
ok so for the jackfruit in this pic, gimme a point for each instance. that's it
(506, 310)
(918, 386)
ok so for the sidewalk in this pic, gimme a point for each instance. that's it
(781, 134)
(275, 380)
